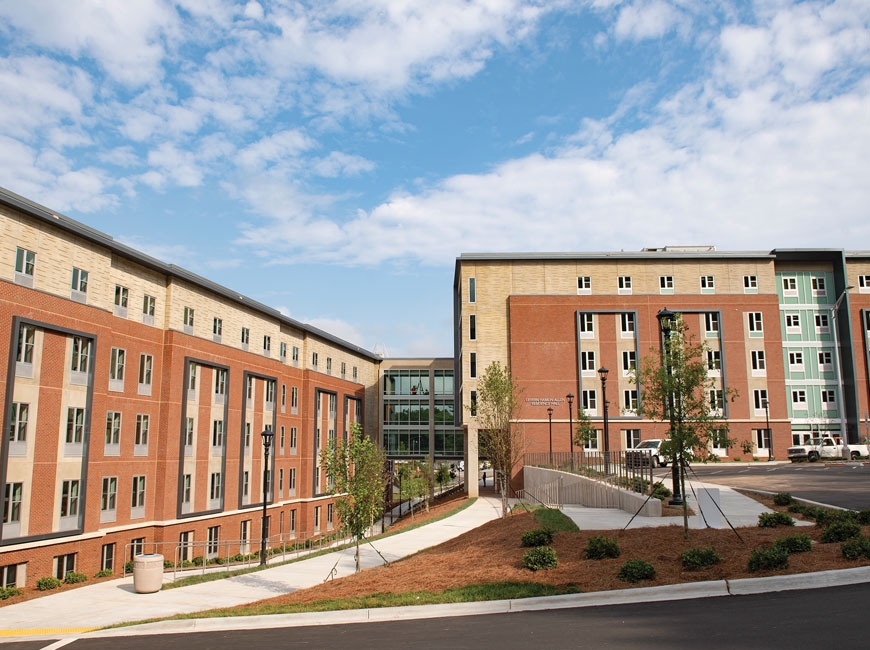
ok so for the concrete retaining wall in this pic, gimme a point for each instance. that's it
(557, 488)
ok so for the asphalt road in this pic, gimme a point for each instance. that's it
(845, 485)
(746, 622)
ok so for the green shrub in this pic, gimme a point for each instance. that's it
(699, 558)
(218, 560)
(540, 557)
(238, 557)
(768, 559)
(8, 592)
(856, 548)
(636, 570)
(798, 509)
(598, 548)
(48, 583)
(537, 537)
(105, 573)
(840, 530)
(197, 561)
(74, 578)
(782, 499)
(799, 543)
(864, 517)
(774, 519)
(128, 567)
(661, 492)
(826, 517)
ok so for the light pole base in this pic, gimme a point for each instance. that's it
(676, 501)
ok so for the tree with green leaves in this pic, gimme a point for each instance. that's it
(584, 431)
(499, 435)
(356, 469)
(678, 389)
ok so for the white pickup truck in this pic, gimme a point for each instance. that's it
(826, 447)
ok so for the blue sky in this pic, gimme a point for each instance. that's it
(333, 158)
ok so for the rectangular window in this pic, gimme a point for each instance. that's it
(789, 287)
(293, 436)
(354, 373)
(711, 322)
(629, 400)
(64, 564)
(137, 494)
(246, 483)
(472, 365)
(220, 382)
(792, 323)
(81, 354)
(750, 283)
(186, 488)
(819, 288)
(113, 428)
(314, 360)
(18, 422)
(472, 403)
(329, 519)
(217, 326)
(627, 324)
(69, 499)
(825, 361)
(109, 494)
(759, 398)
(79, 280)
(13, 496)
(148, 303)
(246, 336)
(714, 360)
(587, 361)
(717, 400)
(328, 365)
(472, 290)
(589, 400)
(828, 399)
(122, 295)
(143, 422)
(25, 262)
(666, 283)
(591, 443)
(214, 492)
(248, 435)
(294, 399)
(188, 317)
(708, 283)
(217, 433)
(472, 327)
(117, 362)
(758, 361)
(281, 482)
(282, 351)
(146, 363)
(107, 557)
(295, 357)
(631, 437)
(799, 399)
(822, 323)
(343, 369)
(26, 343)
(75, 425)
(267, 344)
(719, 439)
(250, 388)
(864, 283)
(213, 543)
(291, 481)
(623, 284)
(755, 322)
(188, 432)
(316, 518)
(270, 395)
(629, 362)
(796, 360)
(586, 323)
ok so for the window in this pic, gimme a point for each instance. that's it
(758, 362)
(711, 322)
(707, 283)
(113, 428)
(246, 483)
(586, 323)
(25, 261)
(75, 425)
(819, 288)
(629, 362)
(282, 351)
(789, 285)
(472, 290)
(472, 365)
(186, 488)
(828, 399)
(248, 435)
(666, 283)
(329, 518)
(627, 324)
(109, 494)
(294, 399)
(799, 399)
(584, 285)
(316, 518)
(146, 362)
(215, 486)
(629, 400)
(267, 344)
(343, 369)
(18, 422)
(714, 360)
(719, 439)
(328, 365)
(792, 323)
(246, 336)
(213, 543)
(148, 303)
(188, 433)
(759, 398)
(122, 295)
(796, 360)
(69, 499)
(117, 361)
(291, 481)
(293, 436)
(281, 481)
(591, 441)
(137, 496)
(755, 323)
(191, 378)
(822, 323)
(717, 400)
(249, 392)
(354, 373)
(295, 357)
(631, 437)
(81, 354)
(589, 400)
(220, 382)
(107, 557)
(472, 327)
(750, 284)
(143, 422)
(762, 438)
(472, 406)
(623, 284)
(26, 343)
(587, 361)
(217, 326)
(314, 360)
(217, 433)
(188, 318)
(79, 280)
(13, 496)
(270, 394)
(825, 361)
(64, 564)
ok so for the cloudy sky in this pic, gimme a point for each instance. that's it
(331, 158)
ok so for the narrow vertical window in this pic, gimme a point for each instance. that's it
(472, 328)
(472, 290)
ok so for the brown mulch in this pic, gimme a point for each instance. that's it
(492, 553)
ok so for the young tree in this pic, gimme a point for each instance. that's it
(357, 478)
(499, 435)
(583, 431)
(678, 389)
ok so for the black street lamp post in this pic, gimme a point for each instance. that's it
(550, 416)
(267, 436)
(570, 399)
(602, 373)
(666, 319)
(767, 429)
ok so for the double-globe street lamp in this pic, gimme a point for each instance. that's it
(602, 373)
(267, 436)
(666, 321)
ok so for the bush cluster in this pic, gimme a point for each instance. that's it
(636, 570)
(661, 492)
(598, 548)
(840, 530)
(8, 592)
(105, 573)
(774, 519)
(74, 578)
(540, 557)
(537, 537)
(783, 499)
(699, 558)
(768, 558)
(799, 543)
(48, 583)
(856, 548)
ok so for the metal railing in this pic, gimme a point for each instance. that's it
(630, 470)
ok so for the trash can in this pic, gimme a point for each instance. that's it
(147, 573)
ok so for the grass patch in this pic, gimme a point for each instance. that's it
(555, 520)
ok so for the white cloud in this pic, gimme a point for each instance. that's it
(175, 164)
(340, 328)
(342, 164)
(645, 19)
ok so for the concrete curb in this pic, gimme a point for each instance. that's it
(711, 589)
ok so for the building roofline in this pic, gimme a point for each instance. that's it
(45, 215)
